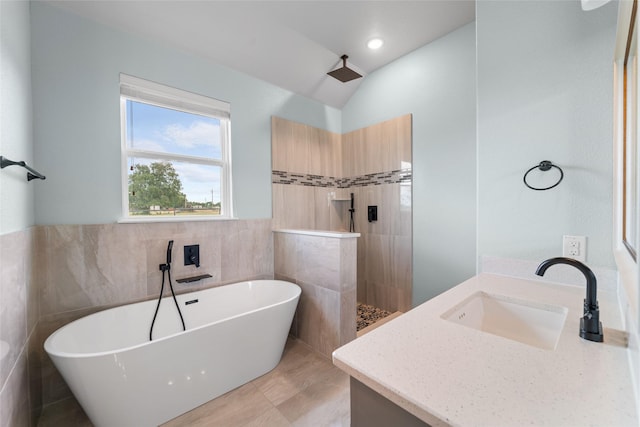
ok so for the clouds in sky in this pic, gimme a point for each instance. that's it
(149, 145)
(200, 182)
(197, 134)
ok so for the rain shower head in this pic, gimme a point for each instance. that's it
(344, 74)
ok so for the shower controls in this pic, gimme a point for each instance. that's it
(192, 255)
(372, 213)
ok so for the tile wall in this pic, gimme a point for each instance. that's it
(53, 275)
(374, 164)
(385, 252)
(306, 163)
(324, 267)
(18, 331)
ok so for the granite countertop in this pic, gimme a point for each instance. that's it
(448, 374)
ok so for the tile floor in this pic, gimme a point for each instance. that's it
(305, 389)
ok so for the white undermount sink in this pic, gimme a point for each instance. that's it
(531, 323)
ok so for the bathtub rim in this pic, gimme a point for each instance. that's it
(62, 354)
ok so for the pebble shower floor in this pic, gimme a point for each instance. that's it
(368, 315)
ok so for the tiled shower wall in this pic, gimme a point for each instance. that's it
(324, 268)
(312, 158)
(57, 274)
(314, 172)
(384, 252)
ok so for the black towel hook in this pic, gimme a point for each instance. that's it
(544, 166)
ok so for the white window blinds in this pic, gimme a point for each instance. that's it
(153, 93)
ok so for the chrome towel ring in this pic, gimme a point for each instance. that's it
(544, 166)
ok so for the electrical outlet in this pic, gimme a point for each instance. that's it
(575, 247)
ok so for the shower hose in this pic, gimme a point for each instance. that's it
(166, 268)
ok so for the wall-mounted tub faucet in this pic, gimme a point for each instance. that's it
(590, 326)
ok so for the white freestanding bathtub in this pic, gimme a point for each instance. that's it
(235, 333)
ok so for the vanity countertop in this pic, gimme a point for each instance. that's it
(448, 374)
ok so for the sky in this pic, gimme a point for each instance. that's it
(170, 131)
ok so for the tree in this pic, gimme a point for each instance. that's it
(155, 185)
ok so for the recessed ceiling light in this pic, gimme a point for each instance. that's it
(374, 44)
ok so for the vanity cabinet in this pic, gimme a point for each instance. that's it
(370, 409)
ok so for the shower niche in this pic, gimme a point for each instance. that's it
(327, 182)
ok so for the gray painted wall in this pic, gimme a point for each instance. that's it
(76, 66)
(544, 93)
(16, 135)
(436, 84)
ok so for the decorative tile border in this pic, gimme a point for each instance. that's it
(378, 178)
(280, 177)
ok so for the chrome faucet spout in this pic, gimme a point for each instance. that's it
(590, 325)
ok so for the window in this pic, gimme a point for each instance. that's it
(176, 153)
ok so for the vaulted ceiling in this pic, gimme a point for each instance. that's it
(291, 44)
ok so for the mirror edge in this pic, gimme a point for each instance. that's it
(627, 265)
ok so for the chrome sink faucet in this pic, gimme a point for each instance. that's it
(590, 325)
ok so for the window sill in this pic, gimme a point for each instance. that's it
(147, 219)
